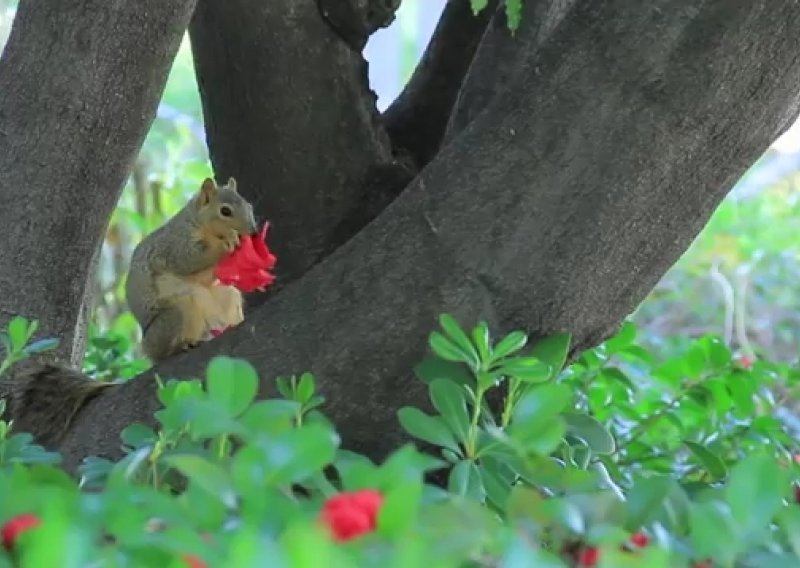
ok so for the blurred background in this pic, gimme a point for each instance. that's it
(738, 280)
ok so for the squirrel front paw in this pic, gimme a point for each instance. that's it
(230, 240)
(188, 345)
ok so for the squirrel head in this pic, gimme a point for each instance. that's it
(223, 208)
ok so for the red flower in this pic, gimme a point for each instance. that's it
(640, 539)
(16, 526)
(247, 268)
(218, 332)
(193, 561)
(589, 557)
(349, 515)
(745, 361)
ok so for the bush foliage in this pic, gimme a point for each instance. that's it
(614, 460)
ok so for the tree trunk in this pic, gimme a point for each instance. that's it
(572, 189)
(80, 82)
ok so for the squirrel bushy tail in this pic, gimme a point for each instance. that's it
(43, 398)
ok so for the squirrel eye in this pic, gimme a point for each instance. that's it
(225, 211)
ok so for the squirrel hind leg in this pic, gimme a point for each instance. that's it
(162, 338)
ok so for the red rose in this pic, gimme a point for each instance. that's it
(349, 515)
(247, 268)
(640, 539)
(193, 561)
(589, 557)
(16, 526)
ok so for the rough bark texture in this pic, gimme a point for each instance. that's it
(289, 114)
(80, 82)
(417, 119)
(557, 207)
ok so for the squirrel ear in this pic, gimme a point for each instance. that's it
(231, 185)
(207, 191)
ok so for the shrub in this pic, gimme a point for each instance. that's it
(612, 461)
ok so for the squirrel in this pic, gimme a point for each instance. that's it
(171, 288)
(172, 293)
(42, 398)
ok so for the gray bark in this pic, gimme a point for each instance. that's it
(80, 82)
(557, 206)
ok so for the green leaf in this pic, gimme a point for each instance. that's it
(646, 496)
(709, 460)
(205, 474)
(431, 429)
(717, 352)
(511, 343)
(755, 492)
(465, 479)
(623, 338)
(478, 6)
(590, 431)
(497, 486)
(742, 390)
(450, 400)
(297, 454)
(400, 508)
(789, 520)
(526, 369)
(694, 361)
(41, 345)
(284, 387)
(304, 546)
(513, 14)
(712, 532)
(432, 368)
(137, 435)
(305, 388)
(446, 349)
(18, 333)
(538, 435)
(270, 416)
(543, 401)
(407, 463)
(232, 383)
(459, 337)
(553, 351)
(480, 336)
(522, 553)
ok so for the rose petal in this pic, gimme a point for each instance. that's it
(247, 267)
(260, 245)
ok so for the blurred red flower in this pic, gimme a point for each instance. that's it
(16, 526)
(352, 514)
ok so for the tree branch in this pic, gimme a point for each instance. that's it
(294, 121)
(79, 86)
(495, 66)
(417, 119)
(557, 208)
